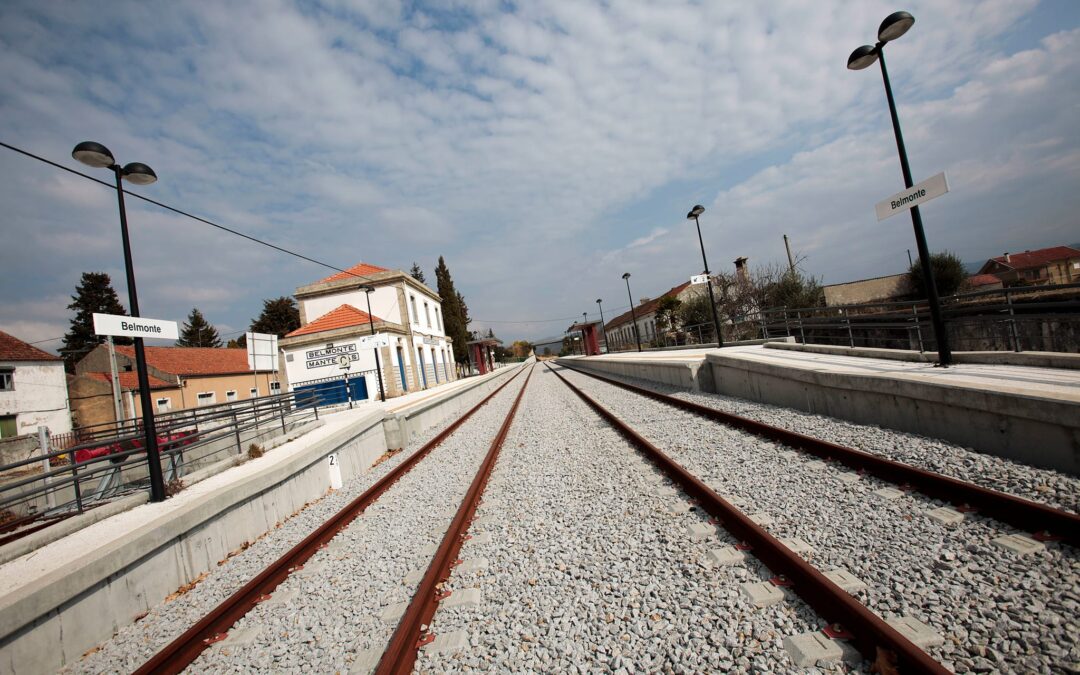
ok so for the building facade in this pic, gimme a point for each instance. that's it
(1054, 265)
(33, 390)
(414, 352)
(620, 330)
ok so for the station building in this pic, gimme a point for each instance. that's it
(334, 343)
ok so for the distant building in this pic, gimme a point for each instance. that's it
(863, 291)
(33, 390)
(984, 282)
(1054, 265)
(620, 330)
(180, 378)
(415, 352)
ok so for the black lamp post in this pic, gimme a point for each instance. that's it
(607, 345)
(367, 290)
(584, 323)
(98, 156)
(892, 27)
(633, 314)
(694, 213)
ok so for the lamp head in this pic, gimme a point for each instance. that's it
(93, 154)
(139, 173)
(695, 212)
(863, 57)
(626, 276)
(366, 288)
(598, 301)
(894, 25)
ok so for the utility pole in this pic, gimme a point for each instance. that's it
(790, 261)
(909, 263)
(118, 406)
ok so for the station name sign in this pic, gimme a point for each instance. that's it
(699, 279)
(932, 187)
(133, 326)
(328, 356)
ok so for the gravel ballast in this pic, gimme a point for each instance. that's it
(995, 609)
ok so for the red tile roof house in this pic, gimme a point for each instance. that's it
(620, 330)
(180, 378)
(33, 390)
(414, 351)
(1054, 265)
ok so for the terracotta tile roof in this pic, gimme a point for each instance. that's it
(983, 280)
(645, 307)
(360, 269)
(193, 360)
(14, 349)
(1037, 258)
(130, 380)
(342, 317)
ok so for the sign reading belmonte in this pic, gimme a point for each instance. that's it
(932, 187)
(134, 326)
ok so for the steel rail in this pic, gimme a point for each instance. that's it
(874, 638)
(182, 651)
(400, 654)
(1046, 522)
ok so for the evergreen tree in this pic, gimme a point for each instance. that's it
(417, 273)
(280, 316)
(197, 332)
(93, 294)
(948, 270)
(455, 312)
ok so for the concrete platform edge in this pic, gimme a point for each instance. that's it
(1029, 359)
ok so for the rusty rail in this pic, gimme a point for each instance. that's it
(1046, 522)
(182, 651)
(400, 654)
(871, 635)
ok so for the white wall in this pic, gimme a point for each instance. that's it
(436, 352)
(40, 397)
(384, 303)
(310, 362)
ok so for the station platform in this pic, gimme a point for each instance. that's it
(1027, 413)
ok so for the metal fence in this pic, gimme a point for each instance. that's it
(98, 464)
(1033, 318)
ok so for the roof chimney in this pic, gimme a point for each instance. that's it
(1007, 257)
(740, 268)
(643, 300)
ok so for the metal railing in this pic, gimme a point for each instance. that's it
(1030, 318)
(108, 460)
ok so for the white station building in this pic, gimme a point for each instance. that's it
(335, 343)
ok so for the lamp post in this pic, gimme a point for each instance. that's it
(602, 326)
(367, 290)
(694, 213)
(633, 314)
(98, 156)
(584, 323)
(892, 27)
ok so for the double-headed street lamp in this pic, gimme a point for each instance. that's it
(892, 27)
(694, 213)
(607, 346)
(633, 314)
(98, 156)
(367, 291)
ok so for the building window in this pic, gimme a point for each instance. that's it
(8, 426)
(230, 395)
(253, 392)
(7, 379)
(438, 319)
(412, 306)
(427, 314)
(164, 405)
(206, 398)
(275, 388)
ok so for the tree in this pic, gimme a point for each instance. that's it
(454, 310)
(197, 332)
(94, 294)
(948, 270)
(280, 316)
(667, 313)
(417, 273)
(521, 348)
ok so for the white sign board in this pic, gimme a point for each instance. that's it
(262, 351)
(131, 326)
(932, 187)
(372, 341)
(699, 279)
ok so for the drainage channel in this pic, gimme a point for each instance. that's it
(214, 627)
(847, 617)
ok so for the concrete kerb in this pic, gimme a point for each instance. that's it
(694, 376)
(1030, 359)
(1040, 431)
(34, 541)
(107, 587)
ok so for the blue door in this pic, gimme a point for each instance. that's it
(401, 368)
(423, 371)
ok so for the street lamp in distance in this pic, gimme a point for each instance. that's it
(98, 156)
(633, 314)
(599, 304)
(694, 213)
(367, 290)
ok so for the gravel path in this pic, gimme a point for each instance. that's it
(1045, 486)
(587, 570)
(135, 643)
(996, 610)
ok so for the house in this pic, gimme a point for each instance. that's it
(339, 338)
(983, 282)
(180, 378)
(620, 330)
(33, 390)
(1054, 265)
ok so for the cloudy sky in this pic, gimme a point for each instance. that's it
(543, 148)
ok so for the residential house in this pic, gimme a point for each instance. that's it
(620, 330)
(1054, 265)
(33, 390)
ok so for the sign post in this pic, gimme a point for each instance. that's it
(344, 362)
